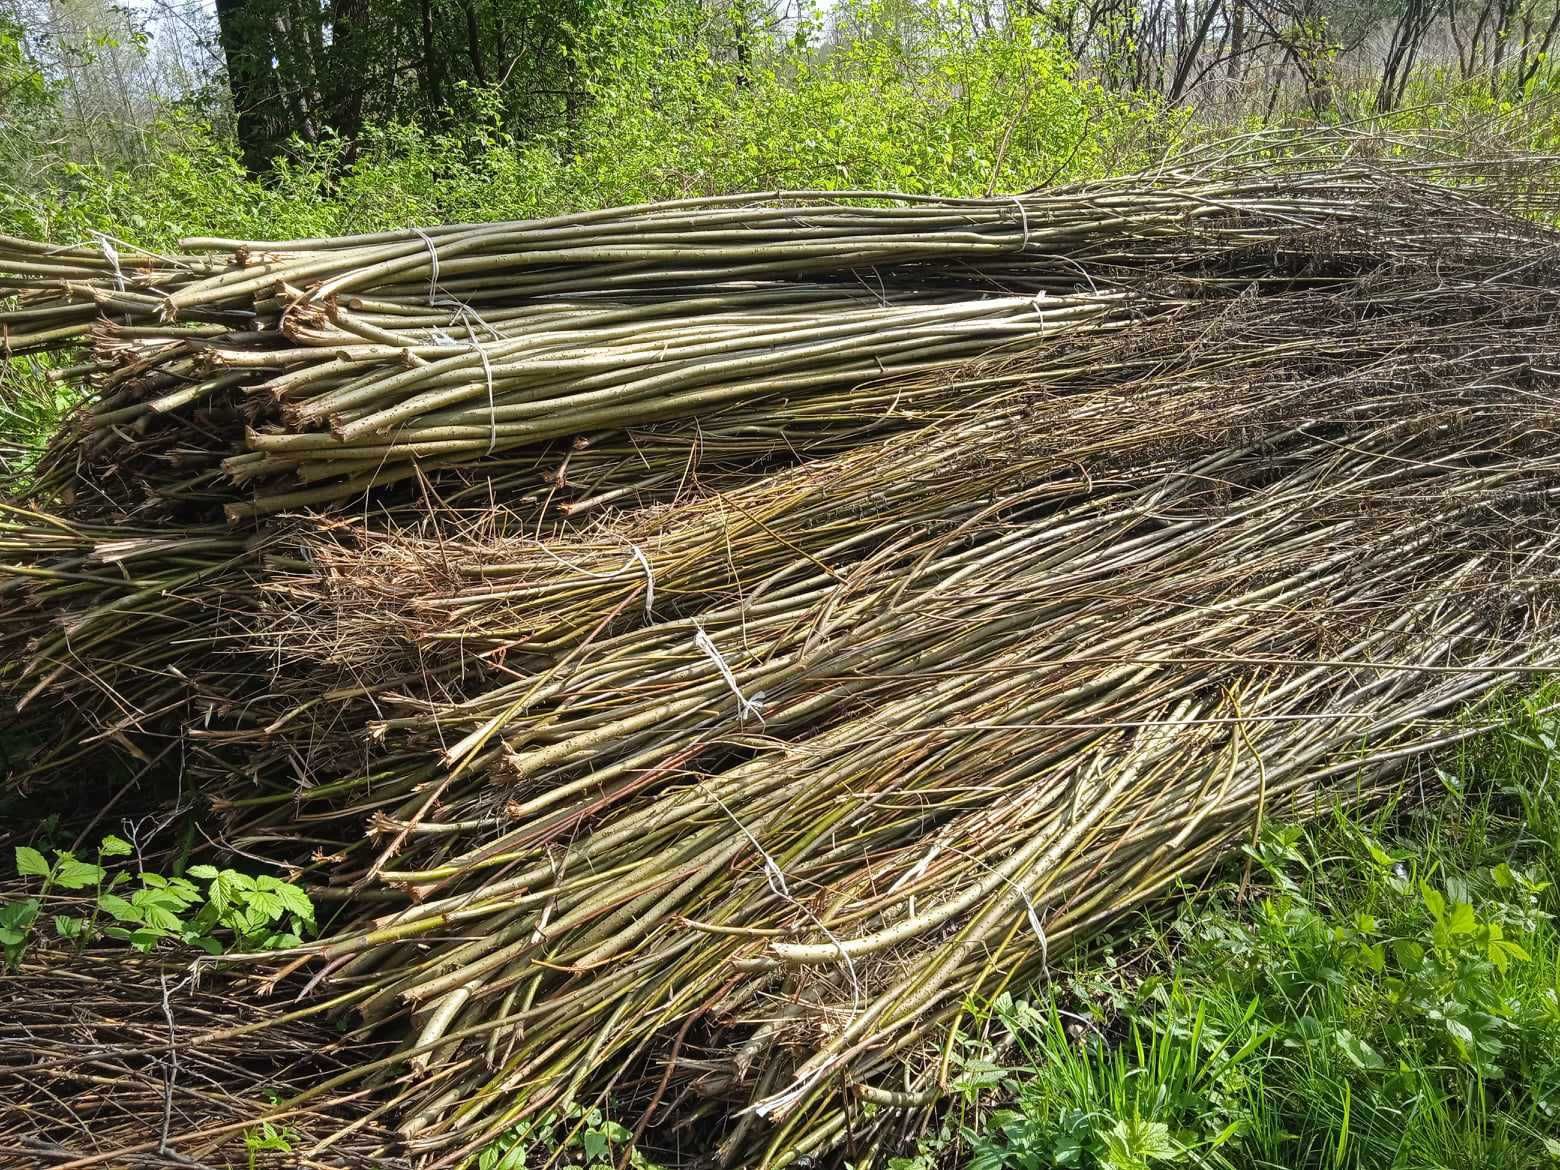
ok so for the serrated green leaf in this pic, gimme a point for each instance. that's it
(154, 881)
(122, 910)
(19, 914)
(160, 918)
(162, 899)
(1502, 951)
(1407, 953)
(144, 939)
(595, 1145)
(254, 918)
(1379, 855)
(1461, 920)
(1136, 1142)
(71, 873)
(296, 901)
(615, 1132)
(113, 846)
(1434, 901)
(266, 903)
(69, 926)
(204, 872)
(181, 893)
(219, 896)
(30, 863)
(1461, 1033)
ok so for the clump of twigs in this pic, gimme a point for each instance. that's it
(118, 1061)
(739, 667)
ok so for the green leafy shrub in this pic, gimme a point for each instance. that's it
(233, 911)
(911, 99)
(584, 1135)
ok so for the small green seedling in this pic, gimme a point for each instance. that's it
(145, 909)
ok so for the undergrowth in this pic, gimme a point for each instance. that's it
(202, 906)
(1368, 992)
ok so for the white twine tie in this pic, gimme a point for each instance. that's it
(487, 372)
(1023, 219)
(745, 705)
(433, 266)
(111, 254)
(635, 555)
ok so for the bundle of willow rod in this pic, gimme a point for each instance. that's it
(1194, 381)
(774, 911)
(716, 801)
(100, 1066)
(268, 376)
(756, 902)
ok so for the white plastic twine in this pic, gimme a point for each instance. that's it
(111, 254)
(774, 877)
(635, 555)
(745, 705)
(487, 372)
(465, 314)
(433, 265)
(1023, 219)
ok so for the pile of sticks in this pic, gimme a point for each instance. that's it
(771, 631)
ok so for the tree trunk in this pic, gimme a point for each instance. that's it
(432, 63)
(244, 34)
(348, 60)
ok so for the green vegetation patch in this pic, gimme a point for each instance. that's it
(1368, 992)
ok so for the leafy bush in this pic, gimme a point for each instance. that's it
(583, 1136)
(912, 100)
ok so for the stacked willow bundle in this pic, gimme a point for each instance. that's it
(764, 669)
(1259, 579)
(270, 376)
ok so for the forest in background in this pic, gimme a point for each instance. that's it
(282, 118)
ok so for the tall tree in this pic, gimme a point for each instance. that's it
(244, 27)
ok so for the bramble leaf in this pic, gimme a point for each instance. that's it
(596, 1145)
(71, 873)
(1357, 1050)
(122, 910)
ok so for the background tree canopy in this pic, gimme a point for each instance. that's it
(286, 77)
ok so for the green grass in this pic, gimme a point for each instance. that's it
(1378, 991)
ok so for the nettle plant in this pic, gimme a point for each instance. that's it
(210, 908)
